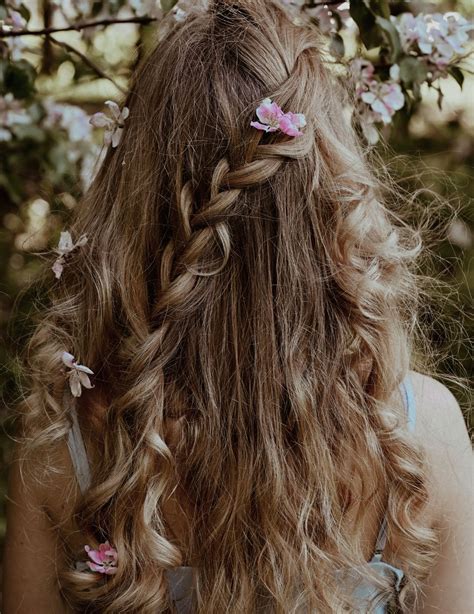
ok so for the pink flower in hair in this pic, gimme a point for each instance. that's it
(104, 560)
(290, 123)
(272, 118)
(269, 114)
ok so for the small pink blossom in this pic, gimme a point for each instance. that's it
(272, 118)
(290, 122)
(104, 560)
(269, 114)
(78, 374)
(113, 123)
(65, 246)
(384, 99)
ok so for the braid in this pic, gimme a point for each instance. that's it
(179, 271)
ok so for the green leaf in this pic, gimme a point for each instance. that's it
(19, 78)
(336, 46)
(370, 34)
(456, 72)
(412, 72)
(167, 5)
(380, 7)
(392, 37)
(25, 12)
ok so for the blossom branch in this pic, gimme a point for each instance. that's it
(76, 27)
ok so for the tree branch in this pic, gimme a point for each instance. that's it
(97, 69)
(76, 27)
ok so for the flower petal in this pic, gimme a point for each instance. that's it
(395, 72)
(75, 384)
(65, 242)
(108, 136)
(116, 136)
(58, 267)
(269, 112)
(94, 567)
(84, 369)
(114, 109)
(81, 241)
(368, 97)
(100, 120)
(288, 127)
(264, 127)
(84, 379)
(95, 556)
(68, 359)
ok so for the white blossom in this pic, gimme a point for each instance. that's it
(377, 101)
(78, 374)
(436, 37)
(113, 123)
(65, 246)
(71, 118)
(12, 113)
(384, 99)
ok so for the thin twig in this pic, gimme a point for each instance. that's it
(97, 69)
(77, 26)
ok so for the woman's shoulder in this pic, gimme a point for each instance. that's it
(441, 430)
(438, 413)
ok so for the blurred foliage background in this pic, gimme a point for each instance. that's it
(51, 85)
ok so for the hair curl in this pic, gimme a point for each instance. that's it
(256, 287)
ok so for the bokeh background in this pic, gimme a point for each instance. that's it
(50, 85)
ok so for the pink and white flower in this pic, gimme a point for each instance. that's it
(65, 246)
(78, 374)
(103, 560)
(384, 99)
(272, 118)
(113, 123)
(12, 113)
(436, 38)
(378, 100)
(269, 114)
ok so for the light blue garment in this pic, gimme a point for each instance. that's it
(180, 578)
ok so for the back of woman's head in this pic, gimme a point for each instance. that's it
(254, 285)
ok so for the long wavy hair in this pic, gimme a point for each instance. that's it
(255, 288)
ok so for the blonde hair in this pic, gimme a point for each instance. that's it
(255, 286)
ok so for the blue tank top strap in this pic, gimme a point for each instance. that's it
(406, 390)
(410, 404)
